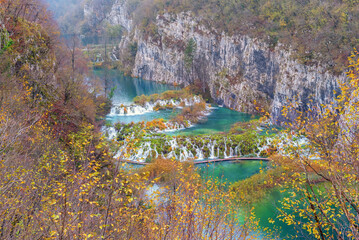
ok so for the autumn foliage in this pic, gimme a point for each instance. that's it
(322, 174)
(58, 179)
(57, 176)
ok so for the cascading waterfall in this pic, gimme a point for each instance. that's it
(184, 149)
(199, 154)
(144, 152)
(237, 150)
(186, 155)
(174, 126)
(225, 150)
(260, 149)
(150, 145)
(134, 109)
(231, 152)
(171, 155)
(148, 152)
(155, 149)
(211, 147)
(173, 143)
(110, 132)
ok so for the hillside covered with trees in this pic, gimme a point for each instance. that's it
(324, 31)
(60, 179)
(57, 176)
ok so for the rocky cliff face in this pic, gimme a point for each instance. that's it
(114, 14)
(241, 73)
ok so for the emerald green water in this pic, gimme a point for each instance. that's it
(231, 171)
(268, 209)
(220, 120)
(264, 209)
(127, 88)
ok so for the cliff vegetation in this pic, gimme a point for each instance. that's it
(324, 31)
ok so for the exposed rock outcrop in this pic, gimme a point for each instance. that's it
(115, 14)
(240, 72)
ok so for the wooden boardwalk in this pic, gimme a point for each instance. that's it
(232, 159)
(207, 161)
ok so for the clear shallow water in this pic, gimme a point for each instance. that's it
(127, 87)
(220, 120)
(231, 171)
(267, 209)
(264, 209)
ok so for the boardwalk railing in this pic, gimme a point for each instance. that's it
(208, 161)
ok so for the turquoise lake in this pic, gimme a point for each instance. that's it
(220, 120)
(232, 171)
(127, 88)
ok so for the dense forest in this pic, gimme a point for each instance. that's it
(58, 175)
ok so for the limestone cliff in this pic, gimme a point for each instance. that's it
(240, 72)
(115, 13)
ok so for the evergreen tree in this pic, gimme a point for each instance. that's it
(189, 54)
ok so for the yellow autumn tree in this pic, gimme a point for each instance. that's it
(322, 179)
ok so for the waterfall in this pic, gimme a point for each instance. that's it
(173, 143)
(185, 154)
(137, 157)
(172, 154)
(134, 109)
(144, 152)
(155, 149)
(191, 101)
(199, 154)
(148, 152)
(131, 110)
(186, 148)
(236, 152)
(211, 149)
(225, 150)
(110, 132)
(231, 152)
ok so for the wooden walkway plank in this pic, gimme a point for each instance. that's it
(207, 161)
